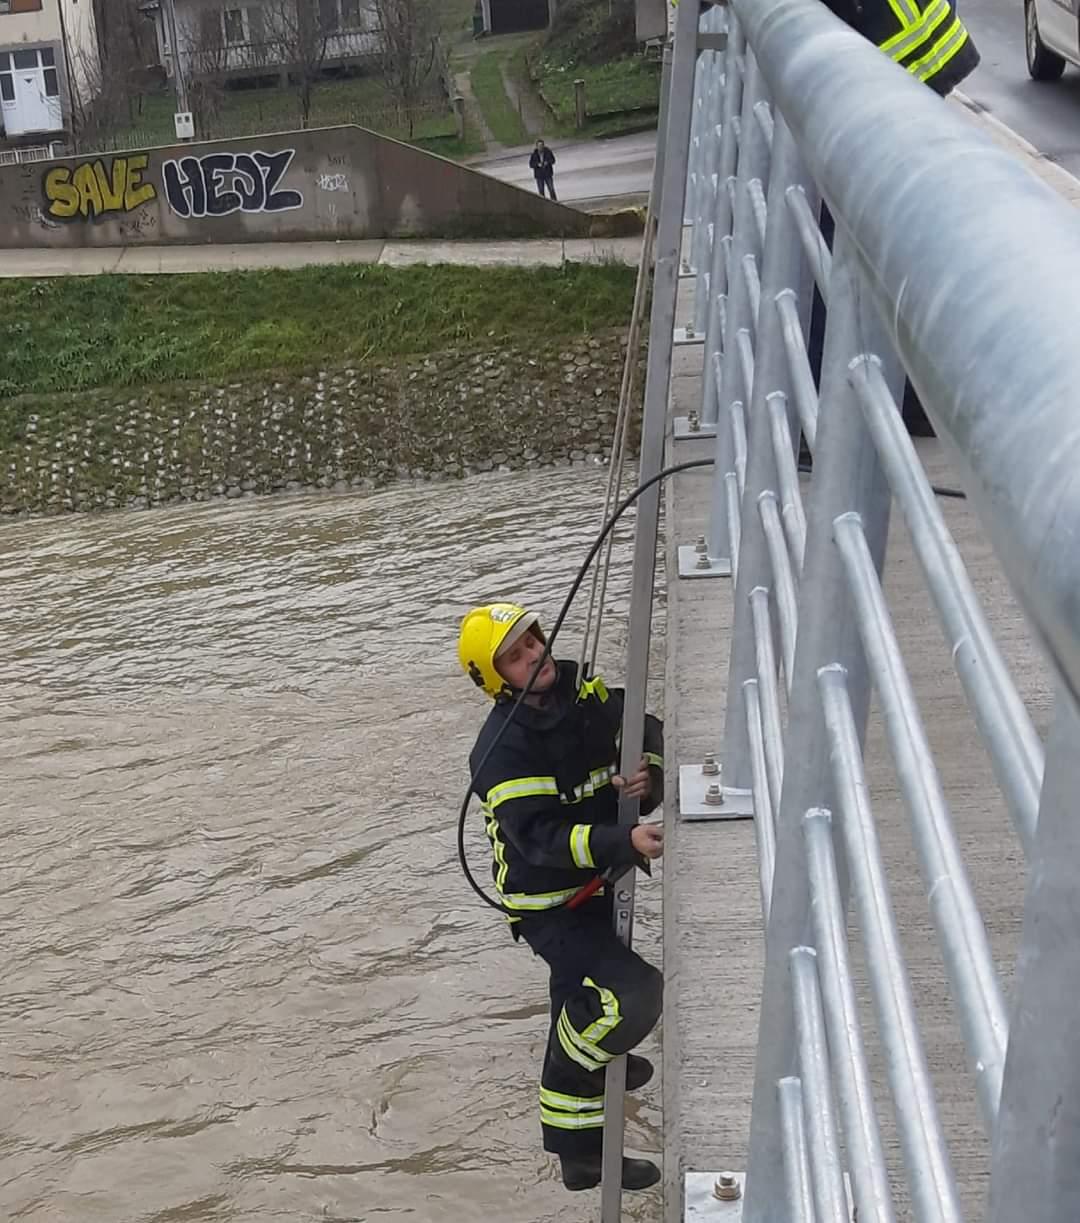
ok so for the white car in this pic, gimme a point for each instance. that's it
(1052, 37)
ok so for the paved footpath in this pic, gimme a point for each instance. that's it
(139, 260)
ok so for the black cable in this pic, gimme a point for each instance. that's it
(598, 543)
(575, 586)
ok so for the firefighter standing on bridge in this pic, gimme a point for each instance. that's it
(550, 791)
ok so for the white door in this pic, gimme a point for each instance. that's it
(30, 92)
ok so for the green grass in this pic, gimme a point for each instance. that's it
(74, 333)
(490, 93)
(623, 87)
(249, 112)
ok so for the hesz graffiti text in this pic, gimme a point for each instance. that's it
(218, 184)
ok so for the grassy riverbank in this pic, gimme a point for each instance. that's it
(76, 333)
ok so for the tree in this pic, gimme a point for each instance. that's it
(408, 39)
(300, 31)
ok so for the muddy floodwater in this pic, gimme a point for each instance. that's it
(242, 978)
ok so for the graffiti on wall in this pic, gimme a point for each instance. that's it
(89, 190)
(219, 184)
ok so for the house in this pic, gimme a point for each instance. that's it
(263, 37)
(49, 66)
(510, 16)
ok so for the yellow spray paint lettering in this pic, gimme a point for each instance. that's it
(93, 189)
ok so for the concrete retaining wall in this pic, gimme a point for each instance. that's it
(327, 183)
(445, 415)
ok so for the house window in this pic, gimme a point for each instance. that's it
(7, 87)
(234, 26)
(351, 15)
(256, 25)
(328, 16)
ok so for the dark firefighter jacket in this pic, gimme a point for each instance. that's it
(549, 805)
(924, 36)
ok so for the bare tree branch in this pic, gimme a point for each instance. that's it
(408, 38)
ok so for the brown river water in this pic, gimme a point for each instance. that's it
(242, 977)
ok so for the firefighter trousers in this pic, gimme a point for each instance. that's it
(605, 999)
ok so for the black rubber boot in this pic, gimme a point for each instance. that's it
(639, 1070)
(580, 1174)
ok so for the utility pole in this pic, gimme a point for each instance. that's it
(179, 70)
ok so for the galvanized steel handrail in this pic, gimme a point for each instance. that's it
(799, 110)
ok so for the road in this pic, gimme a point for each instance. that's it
(1046, 115)
(586, 172)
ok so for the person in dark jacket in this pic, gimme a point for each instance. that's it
(542, 164)
(929, 40)
(550, 792)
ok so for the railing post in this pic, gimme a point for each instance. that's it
(653, 431)
(739, 313)
(781, 269)
(1035, 1175)
(847, 478)
(712, 75)
(721, 244)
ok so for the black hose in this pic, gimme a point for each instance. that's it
(564, 611)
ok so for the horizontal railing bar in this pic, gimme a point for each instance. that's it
(753, 285)
(787, 607)
(796, 1157)
(956, 916)
(926, 1156)
(744, 346)
(819, 1111)
(791, 504)
(802, 378)
(764, 819)
(1016, 752)
(768, 692)
(862, 1136)
(734, 509)
(738, 438)
(812, 239)
(760, 206)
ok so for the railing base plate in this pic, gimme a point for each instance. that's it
(689, 556)
(693, 787)
(685, 338)
(682, 432)
(700, 1203)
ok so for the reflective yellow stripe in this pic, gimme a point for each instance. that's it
(571, 1104)
(580, 850)
(579, 1050)
(943, 51)
(521, 787)
(593, 687)
(568, 1121)
(531, 901)
(597, 780)
(655, 760)
(905, 12)
(608, 1021)
(926, 35)
(909, 36)
(498, 849)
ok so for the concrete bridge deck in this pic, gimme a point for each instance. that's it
(713, 932)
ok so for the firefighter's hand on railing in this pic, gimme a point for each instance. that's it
(648, 840)
(637, 784)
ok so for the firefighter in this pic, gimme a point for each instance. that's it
(550, 791)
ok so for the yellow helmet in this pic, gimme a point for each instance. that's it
(486, 631)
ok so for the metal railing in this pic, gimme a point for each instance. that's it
(933, 276)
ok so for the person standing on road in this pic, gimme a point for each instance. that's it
(542, 164)
(550, 787)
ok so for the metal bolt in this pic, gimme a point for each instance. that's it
(727, 1188)
(701, 545)
(693, 422)
(689, 331)
(703, 561)
(710, 766)
(685, 266)
(714, 795)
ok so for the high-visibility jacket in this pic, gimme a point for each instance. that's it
(550, 809)
(924, 36)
